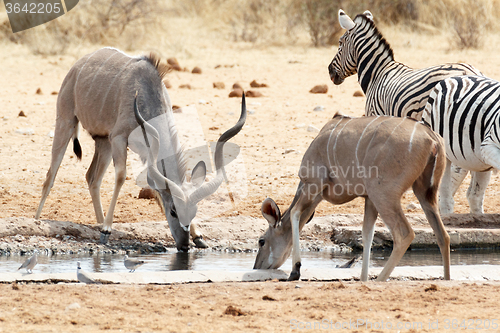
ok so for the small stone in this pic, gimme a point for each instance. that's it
(319, 89)
(432, 287)
(21, 114)
(237, 86)
(202, 101)
(39, 91)
(185, 86)
(251, 111)
(288, 151)
(177, 68)
(176, 109)
(413, 206)
(50, 134)
(254, 84)
(73, 306)
(234, 311)
(147, 193)
(312, 128)
(167, 84)
(253, 93)
(54, 93)
(319, 108)
(172, 61)
(268, 298)
(219, 85)
(236, 93)
(25, 131)
(358, 93)
(196, 70)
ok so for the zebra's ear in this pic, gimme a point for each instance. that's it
(368, 15)
(345, 21)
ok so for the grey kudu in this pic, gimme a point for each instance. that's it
(99, 92)
(376, 158)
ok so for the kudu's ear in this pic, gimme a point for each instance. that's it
(199, 174)
(345, 21)
(271, 212)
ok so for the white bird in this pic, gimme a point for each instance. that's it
(132, 264)
(30, 263)
(83, 276)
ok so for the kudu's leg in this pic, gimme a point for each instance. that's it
(452, 178)
(95, 173)
(197, 236)
(367, 236)
(476, 191)
(119, 153)
(432, 213)
(310, 197)
(65, 129)
(402, 234)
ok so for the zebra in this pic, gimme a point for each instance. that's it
(391, 88)
(465, 111)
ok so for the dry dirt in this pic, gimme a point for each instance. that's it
(251, 307)
(276, 126)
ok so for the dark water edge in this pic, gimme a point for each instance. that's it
(237, 261)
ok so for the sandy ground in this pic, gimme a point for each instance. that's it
(432, 306)
(278, 124)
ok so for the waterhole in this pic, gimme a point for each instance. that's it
(238, 261)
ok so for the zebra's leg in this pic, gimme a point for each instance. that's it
(476, 191)
(452, 178)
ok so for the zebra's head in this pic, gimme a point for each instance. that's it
(345, 62)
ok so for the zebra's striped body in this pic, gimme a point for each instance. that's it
(391, 88)
(465, 111)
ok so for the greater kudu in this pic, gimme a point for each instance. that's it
(377, 158)
(100, 92)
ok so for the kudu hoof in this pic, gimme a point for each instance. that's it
(295, 274)
(200, 243)
(104, 237)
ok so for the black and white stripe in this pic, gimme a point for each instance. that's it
(465, 111)
(391, 88)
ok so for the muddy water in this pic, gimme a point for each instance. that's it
(212, 260)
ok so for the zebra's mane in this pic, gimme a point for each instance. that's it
(376, 32)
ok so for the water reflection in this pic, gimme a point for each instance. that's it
(208, 260)
(180, 261)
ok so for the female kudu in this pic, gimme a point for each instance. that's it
(377, 158)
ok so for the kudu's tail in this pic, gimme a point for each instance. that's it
(435, 168)
(76, 143)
